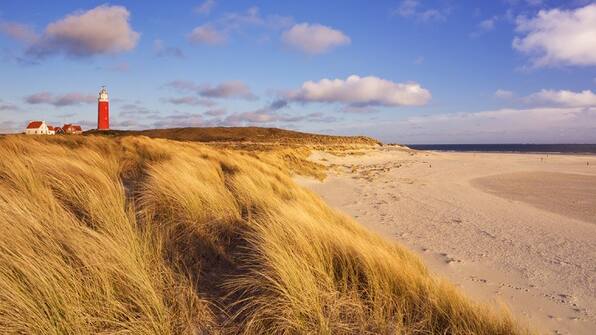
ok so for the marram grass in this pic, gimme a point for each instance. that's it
(134, 235)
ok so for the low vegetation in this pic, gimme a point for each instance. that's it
(239, 135)
(151, 236)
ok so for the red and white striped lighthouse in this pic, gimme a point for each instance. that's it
(103, 110)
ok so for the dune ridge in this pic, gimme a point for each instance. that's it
(151, 236)
(237, 135)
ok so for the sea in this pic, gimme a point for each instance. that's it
(526, 148)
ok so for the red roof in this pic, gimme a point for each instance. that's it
(50, 127)
(72, 127)
(34, 124)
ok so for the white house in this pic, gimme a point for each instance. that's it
(38, 128)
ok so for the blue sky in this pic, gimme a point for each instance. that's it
(402, 71)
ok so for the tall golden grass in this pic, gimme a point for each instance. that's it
(149, 236)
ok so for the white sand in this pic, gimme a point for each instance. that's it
(521, 238)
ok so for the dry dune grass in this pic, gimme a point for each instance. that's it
(148, 236)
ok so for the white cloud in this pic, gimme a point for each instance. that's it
(359, 109)
(189, 100)
(503, 94)
(559, 37)
(265, 114)
(407, 8)
(178, 119)
(102, 30)
(227, 89)
(411, 8)
(162, 50)
(314, 38)
(533, 124)
(485, 26)
(252, 16)
(183, 85)
(509, 125)
(488, 24)
(270, 114)
(207, 34)
(205, 7)
(18, 31)
(221, 29)
(250, 117)
(68, 99)
(216, 112)
(585, 98)
(362, 91)
(8, 107)
(550, 116)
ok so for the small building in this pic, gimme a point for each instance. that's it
(37, 128)
(51, 130)
(72, 129)
(58, 131)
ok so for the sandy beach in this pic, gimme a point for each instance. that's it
(513, 229)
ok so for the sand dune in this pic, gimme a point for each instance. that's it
(150, 236)
(509, 228)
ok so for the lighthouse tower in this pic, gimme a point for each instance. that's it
(103, 110)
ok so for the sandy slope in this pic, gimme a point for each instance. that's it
(519, 229)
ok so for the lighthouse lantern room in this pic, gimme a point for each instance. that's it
(103, 110)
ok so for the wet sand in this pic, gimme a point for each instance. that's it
(513, 229)
(571, 195)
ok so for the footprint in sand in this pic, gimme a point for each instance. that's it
(449, 259)
(478, 280)
(407, 181)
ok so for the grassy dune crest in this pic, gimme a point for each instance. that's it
(150, 236)
(237, 135)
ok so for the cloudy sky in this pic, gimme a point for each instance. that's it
(407, 71)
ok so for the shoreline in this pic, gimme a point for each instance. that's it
(513, 152)
(524, 148)
(538, 262)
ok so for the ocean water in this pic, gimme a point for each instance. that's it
(528, 148)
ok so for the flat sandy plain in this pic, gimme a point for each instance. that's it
(513, 229)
